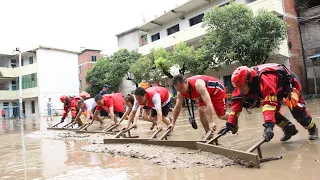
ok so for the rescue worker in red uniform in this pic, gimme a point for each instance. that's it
(155, 99)
(211, 96)
(270, 84)
(112, 103)
(69, 104)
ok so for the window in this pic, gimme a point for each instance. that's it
(196, 20)
(21, 61)
(173, 29)
(13, 85)
(29, 81)
(94, 58)
(23, 108)
(155, 37)
(5, 104)
(144, 40)
(80, 84)
(33, 107)
(13, 63)
(31, 60)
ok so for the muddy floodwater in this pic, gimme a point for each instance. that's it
(29, 151)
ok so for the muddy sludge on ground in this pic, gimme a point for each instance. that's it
(171, 157)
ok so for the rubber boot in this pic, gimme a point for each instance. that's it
(235, 129)
(289, 131)
(313, 133)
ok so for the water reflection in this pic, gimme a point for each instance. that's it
(25, 158)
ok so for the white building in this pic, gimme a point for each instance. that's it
(46, 73)
(184, 24)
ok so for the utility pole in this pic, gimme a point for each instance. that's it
(20, 86)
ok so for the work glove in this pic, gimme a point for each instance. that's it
(193, 123)
(268, 131)
(228, 127)
(62, 120)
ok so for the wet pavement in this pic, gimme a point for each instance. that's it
(59, 155)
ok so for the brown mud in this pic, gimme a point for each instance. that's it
(171, 157)
(29, 151)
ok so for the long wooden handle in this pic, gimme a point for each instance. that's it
(255, 146)
(155, 134)
(166, 134)
(111, 127)
(214, 139)
(56, 125)
(206, 136)
(124, 131)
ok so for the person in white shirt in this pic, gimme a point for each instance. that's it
(87, 107)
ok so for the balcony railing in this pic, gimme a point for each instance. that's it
(13, 95)
(194, 33)
(188, 34)
(14, 72)
(274, 6)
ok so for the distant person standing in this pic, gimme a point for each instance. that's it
(49, 106)
(104, 90)
(3, 112)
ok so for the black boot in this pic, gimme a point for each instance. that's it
(313, 133)
(235, 129)
(289, 131)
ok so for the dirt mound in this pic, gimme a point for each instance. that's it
(170, 157)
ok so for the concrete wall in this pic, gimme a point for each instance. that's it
(58, 75)
(85, 64)
(130, 41)
(183, 24)
(28, 109)
(127, 86)
(15, 104)
(310, 32)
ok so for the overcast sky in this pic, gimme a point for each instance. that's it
(72, 24)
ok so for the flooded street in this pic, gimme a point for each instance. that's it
(29, 151)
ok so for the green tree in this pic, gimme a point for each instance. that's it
(141, 70)
(111, 70)
(144, 69)
(187, 58)
(95, 77)
(162, 60)
(120, 63)
(235, 34)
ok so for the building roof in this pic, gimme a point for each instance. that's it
(177, 12)
(168, 16)
(127, 31)
(90, 50)
(52, 48)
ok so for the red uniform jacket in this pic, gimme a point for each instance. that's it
(164, 95)
(115, 99)
(269, 91)
(214, 86)
(71, 106)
